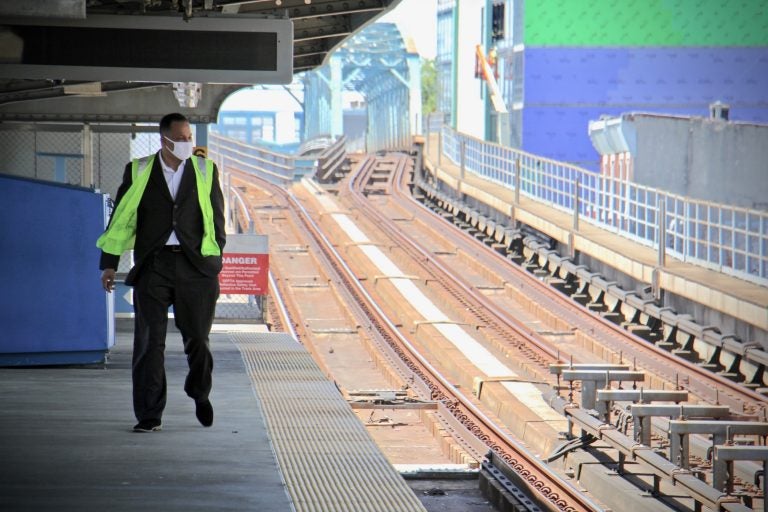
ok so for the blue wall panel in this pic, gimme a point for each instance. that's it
(648, 76)
(565, 88)
(561, 133)
(52, 307)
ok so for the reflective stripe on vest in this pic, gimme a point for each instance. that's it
(209, 247)
(121, 232)
(120, 235)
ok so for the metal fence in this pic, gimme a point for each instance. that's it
(75, 154)
(433, 122)
(725, 238)
(94, 156)
(239, 306)
(275, 167)
(44, 152)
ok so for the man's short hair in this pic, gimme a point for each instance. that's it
(168, 119)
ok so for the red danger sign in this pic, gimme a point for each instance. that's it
(244, 274)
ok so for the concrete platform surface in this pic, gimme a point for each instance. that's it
(66, 441)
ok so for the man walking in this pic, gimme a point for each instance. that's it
(170, 210)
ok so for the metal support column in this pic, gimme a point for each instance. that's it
(440, 147)
(414, 92)
(201, 135)
(576, 201)
(87, 178)
(721, 431)
(729, 454)
(572, 234)
(337, 109)
(642, 414)
(662, 227)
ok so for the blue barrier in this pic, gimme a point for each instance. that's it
(52, 307)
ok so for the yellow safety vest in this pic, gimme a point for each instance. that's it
(121, 232)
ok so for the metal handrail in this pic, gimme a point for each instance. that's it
(330, 159)
(243, 209)
(725, 238)
(268, 164)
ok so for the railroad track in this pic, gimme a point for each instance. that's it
(486, 312)
(700, 381)
(545, 486)
(388, 176)
(391, 180)
(703, 383)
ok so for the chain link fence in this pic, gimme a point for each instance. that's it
(83, 155)
(95, 156)
(44, 152)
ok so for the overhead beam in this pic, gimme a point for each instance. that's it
(67, 9)
(147, 104)
(86, 50)
(299, 10)
(59, 89)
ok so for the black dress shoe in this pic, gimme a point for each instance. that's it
(204, 413)
(148, 426)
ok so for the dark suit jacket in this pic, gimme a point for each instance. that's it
(158, 214)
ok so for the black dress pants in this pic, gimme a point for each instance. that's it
(170, 279)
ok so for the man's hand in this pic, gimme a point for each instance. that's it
(108, 279)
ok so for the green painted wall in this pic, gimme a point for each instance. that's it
(646, 22)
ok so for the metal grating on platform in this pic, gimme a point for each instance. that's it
(328, 460)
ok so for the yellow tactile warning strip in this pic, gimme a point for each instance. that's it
(328, 460)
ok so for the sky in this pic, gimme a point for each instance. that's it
(416, 19)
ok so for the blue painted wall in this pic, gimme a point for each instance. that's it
(565, 88)
(52, 307)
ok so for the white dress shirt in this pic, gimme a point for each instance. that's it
(172, 178)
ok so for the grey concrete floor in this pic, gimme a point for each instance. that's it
(66, 441)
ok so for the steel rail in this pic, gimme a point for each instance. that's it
(706, 385)
(647, 457)
(393, 358)
(542, 479)
(660, 466)
(287, 302)
(243, 207)
(285, 319)
(551, 491)
(657, 464)
(451, 280)
(697, 489)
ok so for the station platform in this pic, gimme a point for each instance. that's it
(735, 297)
(283, 437)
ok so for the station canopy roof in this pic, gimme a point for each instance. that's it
(137, 56)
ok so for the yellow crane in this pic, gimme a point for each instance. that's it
(488, 75)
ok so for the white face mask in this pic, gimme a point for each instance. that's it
(181, 150)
